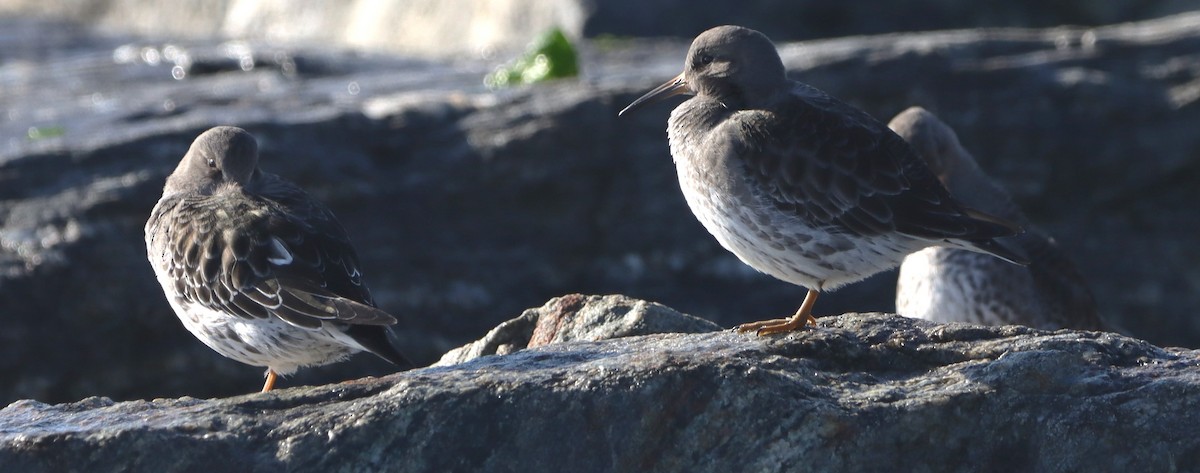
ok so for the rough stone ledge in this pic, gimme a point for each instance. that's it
(862, 392)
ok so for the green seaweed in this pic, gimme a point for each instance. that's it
(550, 56)
(41, 133)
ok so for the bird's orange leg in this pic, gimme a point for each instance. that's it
(802, 318)
(270, 384)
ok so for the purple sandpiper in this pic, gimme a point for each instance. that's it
(952, 285)
(798, 184)
(256, 268)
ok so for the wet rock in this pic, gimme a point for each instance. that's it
(861, 392)
(475, 28)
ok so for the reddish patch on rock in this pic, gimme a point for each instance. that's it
(548, 323)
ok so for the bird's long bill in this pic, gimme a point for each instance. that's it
(671, 88)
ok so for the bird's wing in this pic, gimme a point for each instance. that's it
(835, 167)
(258, 258)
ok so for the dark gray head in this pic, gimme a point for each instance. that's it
(736, 66)
(224, 154)
(731, 63)
(937, 144)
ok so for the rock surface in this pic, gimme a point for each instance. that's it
(861, 392)
(469, 205)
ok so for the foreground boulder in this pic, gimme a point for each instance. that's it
(861, 392)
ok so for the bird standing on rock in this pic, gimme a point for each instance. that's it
(256, 268)
(952, 285)
(798, 184)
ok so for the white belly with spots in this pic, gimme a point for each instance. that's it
(955, 285)
(922, 293)
(270, 342)
(778, 244)
(789, 251)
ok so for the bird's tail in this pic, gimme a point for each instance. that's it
(999, 227)
(377, 340)
(998, 249)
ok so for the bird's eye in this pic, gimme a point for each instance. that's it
(212, 163)
(706, 59)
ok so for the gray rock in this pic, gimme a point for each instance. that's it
(578, 317)
(469, 205)
(862, 392)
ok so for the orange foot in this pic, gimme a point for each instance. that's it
(767, 327)
(270, 384)
(803, 318)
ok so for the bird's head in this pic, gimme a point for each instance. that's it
(221, 155)
(935, 142)
(730, 64)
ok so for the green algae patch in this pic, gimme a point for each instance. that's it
(40, 133)
(550, 56)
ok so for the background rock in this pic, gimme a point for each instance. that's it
(862, 392)
(475, 28)
(469, 205)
